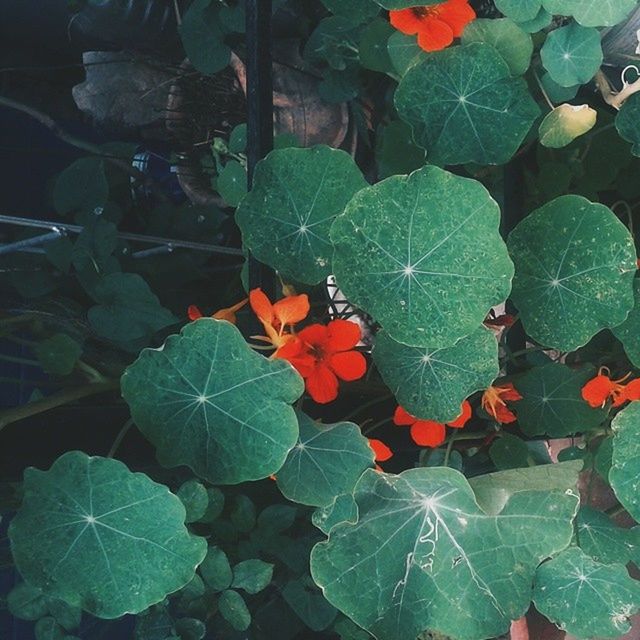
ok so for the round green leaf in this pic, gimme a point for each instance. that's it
(519, 10)
(541, 21)
(27, 602)
(592, 13)
(94, 534)
(624, 475)
(58, 354)
(233, 609)
(252, 575)
(421, 543)
(190, 629)
(407, 251)
(605, 542)
(552, 401)
(207, 400)
(404, 52)
(586, 598)
(574, 271)
(327, 460)
(509, 452)
(572, 54)
(81, 187)
(216, 570)
(464, 106)
(48, 629)
(286, 217)
(511, 42)
(628, 122)
(432, 383)
(243, 513)
(565, 123)
(557, 93)
(372, 47)
(629, 331)
(232, 183)
(395, 150)
(195, 499)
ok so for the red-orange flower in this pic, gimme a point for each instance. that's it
(436, 25)
(601, 389)
(228, 313)
(323, 354)
(493, 402)
(429, 433)
(383, 453)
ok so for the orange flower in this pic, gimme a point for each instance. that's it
(601, 389)
(276, 317)
(228, 313)
(383, 453)
(429, 433)
(436, 25)
(323, 354)
(493, 402)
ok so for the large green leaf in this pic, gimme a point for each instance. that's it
(464, 106)
(81, 188)
(629, 331)
(552, 401)
(93, 533)
(208, 401)
(327, 460)
(296, 195)
(572, 54)
(403, 4)
(624, 475)
(574, 271)
(432, 383)
(628, 122)
(592, 13)
(511, 42)
(586, 598)
(519, 10)
(422, 543)
(407, 252)
(605, 542)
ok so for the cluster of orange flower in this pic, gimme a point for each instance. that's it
(601, 389)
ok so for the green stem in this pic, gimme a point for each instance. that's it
(612, 512)
(447, 453)
(375, 425)
(58, 399)
(120, 437)
(93, 374)
(18, 360)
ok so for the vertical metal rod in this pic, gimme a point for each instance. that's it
(259, 112)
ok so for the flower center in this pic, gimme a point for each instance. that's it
(424, 12)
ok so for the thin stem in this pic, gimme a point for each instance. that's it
(520, 629)
(18, 360)
(376, 425)
(93, 374)
(447, 453)
(544, 93)
(120, 437)
(58, 399)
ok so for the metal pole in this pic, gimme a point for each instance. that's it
(29, 243)
(259, 112)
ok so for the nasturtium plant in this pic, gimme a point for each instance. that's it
(592, 13)
(574, 271)
(405, 250)
(565, 123)
(421, 541)
(519, 10)
(629, 331)
(229, 428)
(432, 383)
(624, 475)
(464, 105)
(285, 219)
(627, 122)
(90, 512)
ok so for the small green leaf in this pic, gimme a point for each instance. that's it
(327, 460)
(232, 183)
(93, 512)
(572, 54)
(216, 570)
(297, 193)
(406, 251)
(541, 21)
(585, 597)
(48, 629)
(519, 10)
(190, 629)
(58, 354)
(66, 615)
(276, 518)
(238, 139)
(372, 47)
(575, 263)
(309, 604)
(432, 383)
(27, 602)
(233, 609)
(605, 542)
(566, 123)
(243, 513)
(511, 42)
(81, 187)
(509, 452)
(556, 92)
(252, 575)
(592, 13)
(627, 122)
(464, 106)
(395, 150)
(624, 475)
(194, 497)
(228, 428)
(215, 504)
(552, 401)
(404, 52)
(603, 458)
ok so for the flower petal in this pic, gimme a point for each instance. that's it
(193, 312)
(434, 35)
(632, 390)
(596, 392)
(261, 306)
(503, 415)
(401, 417)
(292, 309)
(383, 453)
(428, 433)
(322, 385)
(229, 313)
(457, 14)
(405, 20)
(342, 335)
(348, 365)
(463, 418)
(315, 335)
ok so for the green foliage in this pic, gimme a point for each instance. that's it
(564, 124)
(629, 331)
(627, 122)
(81, 188)
(234, 610)
(58, 354)
(252, 575)
(592, 13)
(624, 476)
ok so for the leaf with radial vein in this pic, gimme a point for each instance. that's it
(296, 195)
(432, 383)
(208, 401)
(464, 106)
(572, 54)
(422, 543)
(586, 598)
(552, 401)
(629, 331)
(592, 13)
(624, 475)
(574, 271)
(407, 252)
(98, 536)
(327, 461)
